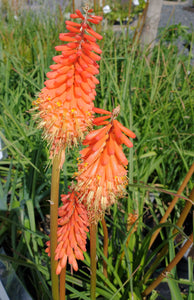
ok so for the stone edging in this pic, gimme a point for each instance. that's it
(179, 2)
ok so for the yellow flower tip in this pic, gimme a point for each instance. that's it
(36, 102)
(88, 113)
(98, 177)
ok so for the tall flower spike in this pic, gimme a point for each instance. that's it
(65, 103)
(72, 232)
(102, 174)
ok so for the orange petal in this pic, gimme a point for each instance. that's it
(84, 152)
(72, 45)
(66, 38)
(110, 145)
(78, 68)
(92, 55)
(91, 157)
(78, 12)
(74, 16)
(108, 172)
(90, 136)
(72, 29)
(78, 92)
(96, 121)
(99, 143)
(68, 52)
(89, 38)
(96, 17)
(120, 155)
(125, 130)
(55, 67)
(114, 165)
(94, 21)
(91, 171)
(82, 63)
(86, 58)
(104, 157)
(79, 254)
(73, 262)
(126, 141)
(61, 48)
(95, 80)
(58, 270)
(52, 74)
(117, 130)
(73, 23)
(101, 111)
(85, 86)
(103, 131)
(91, 84)
(86, 98)
(63, 261)
(92, 70)
(95, 34)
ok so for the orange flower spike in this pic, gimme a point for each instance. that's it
(102, 174)
(65, 104)
(71, 233)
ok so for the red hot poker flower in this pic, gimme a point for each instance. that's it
(72, 232)
(65, 103)
(102, 174)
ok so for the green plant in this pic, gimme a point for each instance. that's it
(121, 13)
(156, 97)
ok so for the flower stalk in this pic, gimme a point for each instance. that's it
(62, 283)
(54, 223)
(93, 231)
(105, 246)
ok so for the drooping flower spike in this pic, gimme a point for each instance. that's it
(72, 232)
(102, 175)
(65, 103)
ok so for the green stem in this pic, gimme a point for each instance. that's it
(53, 223)
(105, 246)
(62, 283)
(93, 230)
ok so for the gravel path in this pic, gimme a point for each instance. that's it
(179, 13)
(176, 14)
